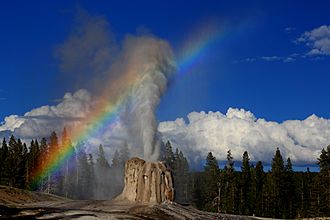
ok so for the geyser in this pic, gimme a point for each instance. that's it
(146, 182)
(151, 60)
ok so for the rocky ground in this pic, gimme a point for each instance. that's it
(22, 204)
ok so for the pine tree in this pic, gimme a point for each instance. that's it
(169, 155)
(277, 177)
(83, 189)
(4, 163)
(229, 185)
(23, 166)
(211, 190)
(17, 162)
(33, 157)
(44, 155)
(91, 176)
(70, 189)
(55, 181)
(181, 177)
(101, 160)
(185, 178)
(246, 186)
(289, 192)
(115, 163)
(324, 176)
(259, 180)
(69, 165)
(104, 174)
(316, 202)
(123, 155)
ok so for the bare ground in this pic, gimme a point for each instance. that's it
(22, 204)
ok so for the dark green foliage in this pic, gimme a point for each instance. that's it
(290, 207)
(178, 163)
(181, 177)
(259, 188)
(4, 163)
(169, 155)
(212, 186)
(33, 161)
(277, 192)
(246, 186)
(229, 185)
(16, 163)
(324, 181)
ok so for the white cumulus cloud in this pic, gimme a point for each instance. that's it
(39, 122)
(240, 130)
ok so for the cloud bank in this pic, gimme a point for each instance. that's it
(38, 122)
(240, 130)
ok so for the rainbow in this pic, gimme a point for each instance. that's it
(196, 47)
(103, 115)
(106, 112)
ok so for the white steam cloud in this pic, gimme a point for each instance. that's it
(139, 115)
(134, 74)
(240, 130)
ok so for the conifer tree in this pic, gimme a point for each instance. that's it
(211, 190)
(259, 184)
(55, 181)
(101, 160)
(123, 154)
(246, 186)
(169, 155)
(4, 163)
(115, 163)
(17, 162)
(304, 193)
(65, 169)
(324, 178)
(44, 155)
(277, 177)
(289, 192)
(316, 202)
(83, 189)
(33, 157)
(229, 184)
(181, 177)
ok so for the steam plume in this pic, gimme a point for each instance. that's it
(130, 80)
(155, 56)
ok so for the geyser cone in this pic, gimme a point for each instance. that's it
(147, 182)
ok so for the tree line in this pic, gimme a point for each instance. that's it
(279, 193)
(79, 176)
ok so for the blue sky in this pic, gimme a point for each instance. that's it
(244, 68)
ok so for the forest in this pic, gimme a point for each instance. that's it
(280, 192)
